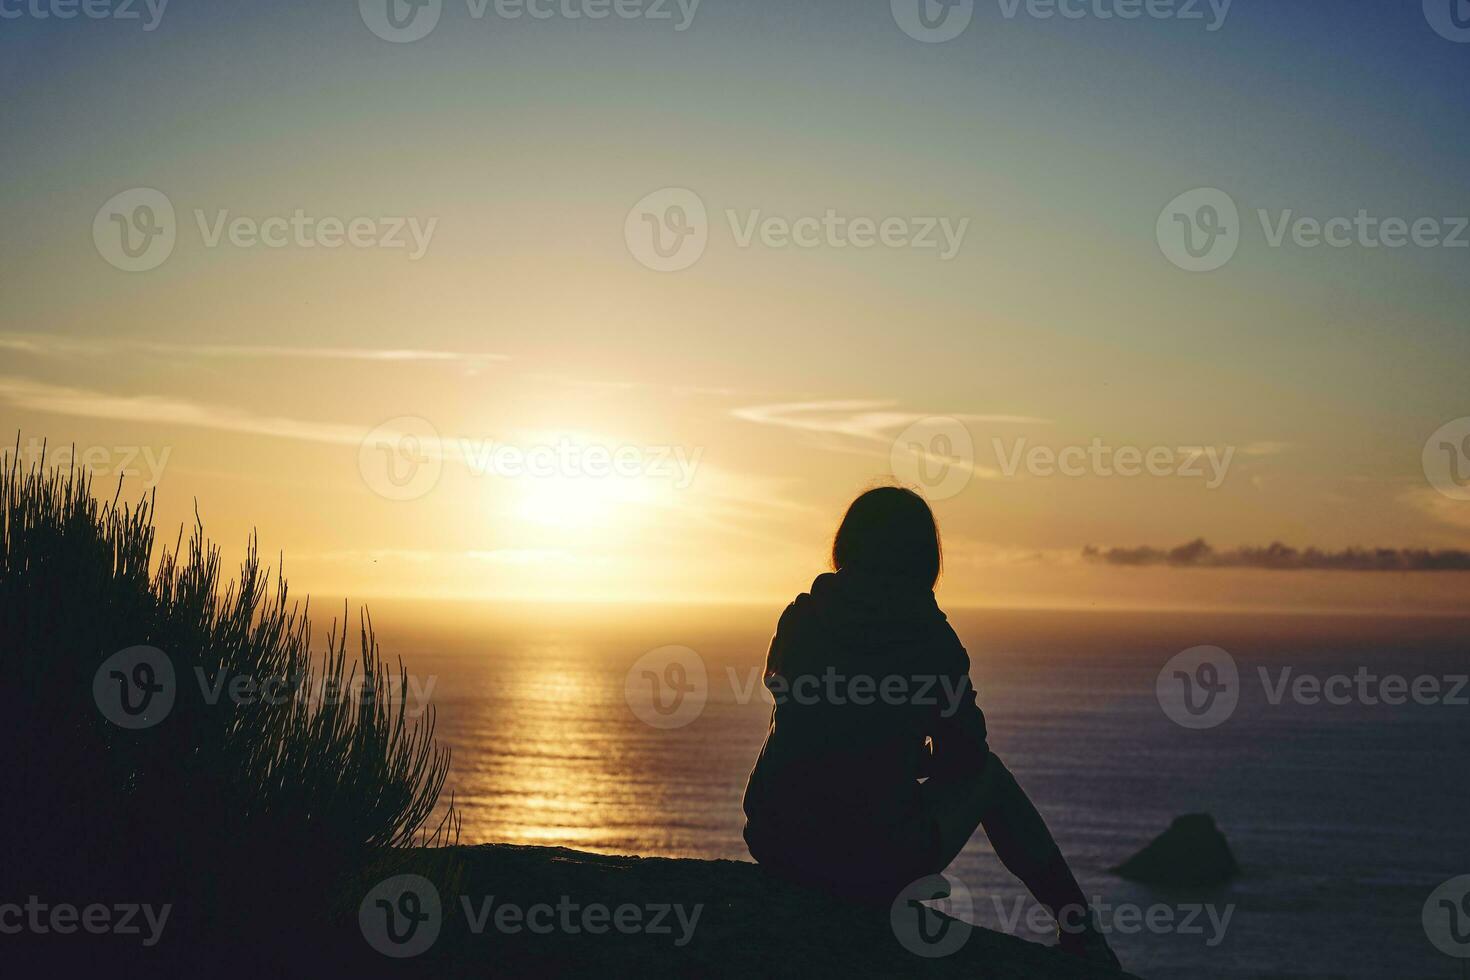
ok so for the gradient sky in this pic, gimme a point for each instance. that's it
(789, 371)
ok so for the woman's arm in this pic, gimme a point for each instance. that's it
(960, 736)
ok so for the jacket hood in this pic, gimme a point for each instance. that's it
(866, 611)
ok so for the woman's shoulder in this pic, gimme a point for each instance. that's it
(947, 645)
(798, 613)
(805, 604)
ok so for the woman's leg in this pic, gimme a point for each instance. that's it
(959, 802)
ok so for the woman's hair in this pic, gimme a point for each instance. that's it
(889, 531)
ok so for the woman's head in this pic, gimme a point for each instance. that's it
(889, 531)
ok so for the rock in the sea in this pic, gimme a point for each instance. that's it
(1191, 852)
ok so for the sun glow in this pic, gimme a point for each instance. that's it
(584, 502)
(564, 501)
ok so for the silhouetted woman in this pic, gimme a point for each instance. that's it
(872, 691)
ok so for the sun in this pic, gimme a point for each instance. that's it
(583, 502)
(565, 502)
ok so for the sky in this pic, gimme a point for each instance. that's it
(378, 296)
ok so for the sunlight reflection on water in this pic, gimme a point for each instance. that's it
(547, 751)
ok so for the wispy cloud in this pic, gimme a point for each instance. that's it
(416, 556)
(38, 396)
(1280, 557)
(869, 428)
(1264, 448)
(875, 421)
(48, 346)
(596, 384)
(1439, 508)
(960, 551)
(739, 503)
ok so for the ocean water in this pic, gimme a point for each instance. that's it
(1344, 817)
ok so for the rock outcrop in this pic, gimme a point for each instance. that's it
(1192, 852)
(748, 924)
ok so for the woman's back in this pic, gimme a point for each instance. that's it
(872, 694)
(863, 669)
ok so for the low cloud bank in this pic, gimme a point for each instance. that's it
(1281, 557)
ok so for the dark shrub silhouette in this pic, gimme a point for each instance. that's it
(246, 812)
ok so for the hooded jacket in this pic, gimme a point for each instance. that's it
(872, 692)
